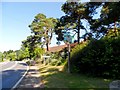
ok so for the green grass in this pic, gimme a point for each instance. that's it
(54, 77)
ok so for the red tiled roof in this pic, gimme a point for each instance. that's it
(59, 48)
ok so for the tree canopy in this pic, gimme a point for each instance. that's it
(75, 12)
(43, 29)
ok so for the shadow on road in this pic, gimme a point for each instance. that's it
(11, 77)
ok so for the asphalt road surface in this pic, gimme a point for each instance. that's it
(12, 73)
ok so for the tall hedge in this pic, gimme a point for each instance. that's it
(98, 58)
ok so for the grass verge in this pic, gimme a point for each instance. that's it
(54, 77)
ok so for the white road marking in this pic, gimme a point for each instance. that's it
(20, 78)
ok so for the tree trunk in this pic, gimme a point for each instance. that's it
(69, 71)
(47, 45)
(78, 35)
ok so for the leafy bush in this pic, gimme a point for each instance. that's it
(97, 58)
(1, 56)
(57, 59)
(57, 62)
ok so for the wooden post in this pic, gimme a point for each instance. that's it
(69, 58)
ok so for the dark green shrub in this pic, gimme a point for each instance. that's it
(97, 58)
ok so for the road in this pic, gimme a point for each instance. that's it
(12, 73)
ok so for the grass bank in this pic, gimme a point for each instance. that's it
(54, 77)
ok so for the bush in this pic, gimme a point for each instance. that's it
(97, 58)
(57, 59)
(1, 56)
(57, 62)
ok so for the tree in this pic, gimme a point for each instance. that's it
(12, 56)
(109, 18)
(43, 29)
(29, 45)
(38, 52)
(75, 13)
(23, 53)
(5, 54)
(9, 55)
(1, 56)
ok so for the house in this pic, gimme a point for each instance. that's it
(60, 47)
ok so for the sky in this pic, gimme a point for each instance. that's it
(15, 18)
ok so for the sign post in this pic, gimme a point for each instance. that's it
(68, 39)
(69, 58)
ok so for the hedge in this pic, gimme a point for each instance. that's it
(99, 58)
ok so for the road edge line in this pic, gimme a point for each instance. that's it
(20, 78)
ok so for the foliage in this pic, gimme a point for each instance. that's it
(74, 12)
(1, 56)
(12, 56)
(21, 54)
(57, 59)
(109, 18)
(57, 62)
(43, 28)
(30, 44)
(38, 52)
(9, 55)
(31, 48)
(98, 57)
